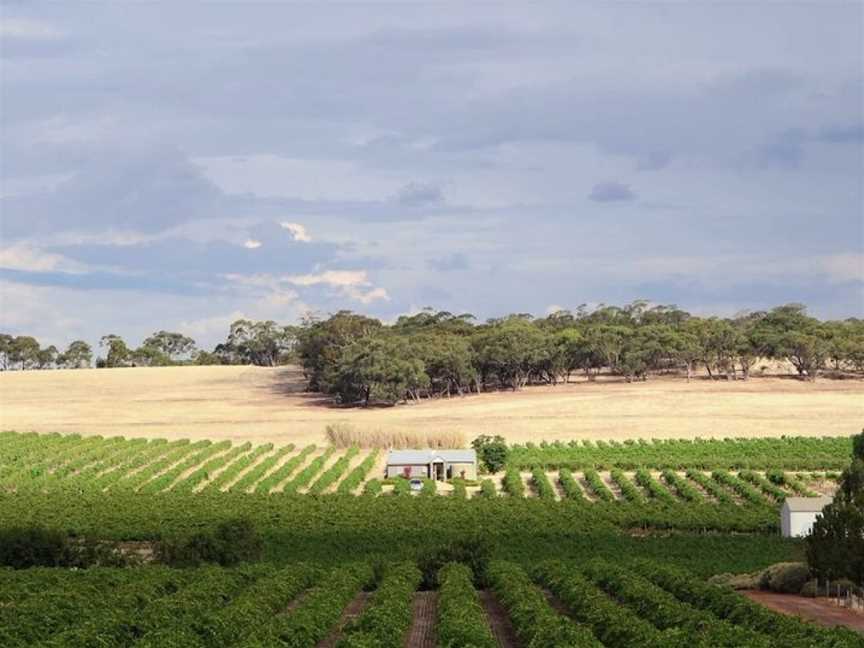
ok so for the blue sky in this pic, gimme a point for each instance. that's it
(182, 165)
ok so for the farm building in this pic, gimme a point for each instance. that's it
(437, 464)
(798, 514)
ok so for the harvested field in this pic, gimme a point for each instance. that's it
(262, 404)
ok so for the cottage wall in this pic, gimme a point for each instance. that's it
(420, 470)
(469, 468)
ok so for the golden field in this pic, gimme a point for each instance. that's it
(263, 404)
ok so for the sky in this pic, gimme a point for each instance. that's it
(181, 165)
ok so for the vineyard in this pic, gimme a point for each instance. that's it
(590, 471)
(731, 485)
(354, 604)
(601, 544)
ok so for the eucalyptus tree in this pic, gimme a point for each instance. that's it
(320, 341)
(175, 346)
(78, 355)
(118, 353)
(379, 368)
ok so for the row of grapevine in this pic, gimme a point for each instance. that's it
(613, 624)
(135, 480)
(764, 484)
(318, 610)
(597, 486)
(233, 470)
(654, 488)
(155, 451)
(273, 479)
(387, 618)
(787, 453)
(167, 478)
(512, 483)
(682, 487)
(533, 618)
(666, 612)
(333, 473)
(569, 486)
(306, 475)
(358, 475)
(542, 486)
(726, 604)
(628, 490)
(744, 490)
(461, 618)
(203, 472)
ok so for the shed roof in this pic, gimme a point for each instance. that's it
(806, 504)
(412, 457)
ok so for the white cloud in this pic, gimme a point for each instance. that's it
(336, 278)
(252, 244)
(298, 231)
(25, 28)
(22, 256)
(369, 296)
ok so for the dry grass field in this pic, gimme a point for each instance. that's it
(260, 404)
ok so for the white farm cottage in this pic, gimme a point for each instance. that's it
(798, 514)
(435, 464)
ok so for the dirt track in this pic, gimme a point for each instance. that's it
(820, 610)
(262, 404)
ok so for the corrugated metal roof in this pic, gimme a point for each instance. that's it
(806, 504)
(406, 457)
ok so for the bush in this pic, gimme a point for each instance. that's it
(785, 578)
(22, 547)
(737, 581)
(232, 542)
(492, 452)
(473, 553)
(810, 588)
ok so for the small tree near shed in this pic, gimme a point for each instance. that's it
(492, 452)
(835, 548)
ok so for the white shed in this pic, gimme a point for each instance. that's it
(798, 514)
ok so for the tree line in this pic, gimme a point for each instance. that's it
(360, 360)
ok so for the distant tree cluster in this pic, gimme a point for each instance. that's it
(360, 360)
(24, 352)
(266, 344)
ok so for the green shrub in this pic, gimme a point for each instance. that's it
(785, 578)
(810, 588)
(461, 618)
(22, 547)
(230, 543)
(474, 553)
(737, 581)
(491, 451)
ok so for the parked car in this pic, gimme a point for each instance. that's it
(416, 484)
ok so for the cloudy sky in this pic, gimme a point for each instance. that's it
(182, 165)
